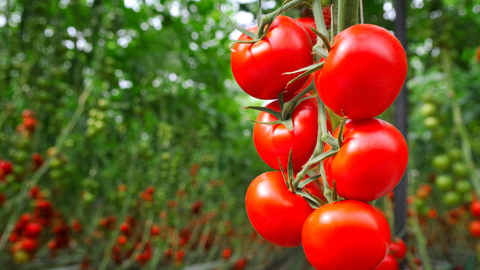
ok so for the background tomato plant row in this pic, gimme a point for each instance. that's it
(163, 112)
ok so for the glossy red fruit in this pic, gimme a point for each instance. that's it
(155, 230)
(276, 213)
(32, 229)
(29, 245)
(275, 141)
(389, 263)
(475, 209)
(364, 72)
(478, 54)
(226, 253)
(398, 249)
(474, 228)
(347, 235)
(259, 67)
(371, 161)
(6, 168)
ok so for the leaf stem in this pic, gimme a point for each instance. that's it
(347, 14)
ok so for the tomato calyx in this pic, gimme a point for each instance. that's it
(334, 143)
(284, 117)
(297, 186)
(263, 22)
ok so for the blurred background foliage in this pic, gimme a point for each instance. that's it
(162, 110)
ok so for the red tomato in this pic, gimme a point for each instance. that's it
(275, 141)
(33, 229)
(363, 73)
(258, 68)
(29, 245)
(5, 168)
(398, 249)
(370, 162)
(475, 209)
(347, 235)
(308, 22)
(389, 263)
(276, 213)
(474, 228)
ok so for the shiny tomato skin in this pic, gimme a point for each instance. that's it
(364, 72)
(398, 248)
(371, 161)
(389, 263)
(347, 235)
(308, 22)
(258, 67)
(273, 141)
(276, 213)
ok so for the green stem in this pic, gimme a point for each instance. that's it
(347, 14)
(123, 212)
(268, 18)
(458, 121)
(421, 243)
(319, 20)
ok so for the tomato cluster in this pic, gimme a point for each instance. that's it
(363, 160)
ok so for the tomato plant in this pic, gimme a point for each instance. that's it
(276, 141)
(370, 162)
(364, 72)
(270, 206)
(346, 235)
(259, 67)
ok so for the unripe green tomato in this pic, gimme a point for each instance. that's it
(428, 109)
(444, 182)
(87, 196)
(69, 169)
(100, 115)
(56, 163)
(91, 131)
(92, 113)
(99, 125)
(10, 178)
(56, 174)
(419, 203)
(431, 122)
(463, 186)
(460, 169)
(429, 98)
(103, 103)
(452, 198)
(90, 122)
(69, 143)
(22, 143)
(21, 156)
(20, 256)
(441, 162)
(455, 154)
(18, 169)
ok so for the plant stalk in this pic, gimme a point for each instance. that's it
(458, 121)
(347, 14)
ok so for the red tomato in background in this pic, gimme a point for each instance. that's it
(475, 209)
(389, 263)
(398, 249)
(364, 72)
(258, 68)
(346, 235)
(276, 213)
(370, 162)
(478, 54)
(273, 141)
(474, 228)
(308, 22)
